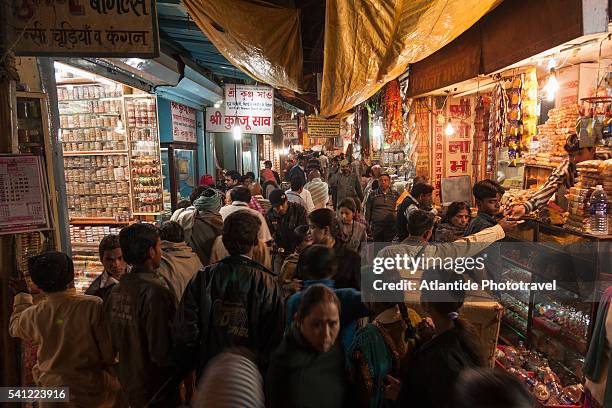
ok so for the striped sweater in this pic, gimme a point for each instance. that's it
(319, 192)
(564, 175)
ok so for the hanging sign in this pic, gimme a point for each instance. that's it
(23, 205)
(252, 106)
(290, 129)
(319, 127)
(86, 28)
(183, 123)
(459, 145)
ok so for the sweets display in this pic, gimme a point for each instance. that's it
(82, 92)
(591, 173)
(141, 112)
(89, 234)
(552, 135)
(86, 269)
(97, 186)
(147, 196)
(534, 371)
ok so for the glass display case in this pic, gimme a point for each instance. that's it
(555, 325)
(145, 160)
(180, 173)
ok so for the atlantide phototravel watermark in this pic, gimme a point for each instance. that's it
(483, 271)
(487, 284)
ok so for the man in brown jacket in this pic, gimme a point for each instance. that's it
(74, 347)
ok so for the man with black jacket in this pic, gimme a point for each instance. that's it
(282, 219)
(233, 303)
(140, 310)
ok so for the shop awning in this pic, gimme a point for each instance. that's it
(368, 43)
(260, 39)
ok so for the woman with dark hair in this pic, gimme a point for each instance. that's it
(324, 230)
(350, 232)
(431, 375)
(454, 223)
(307, 370)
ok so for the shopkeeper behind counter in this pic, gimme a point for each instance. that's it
(578, 150)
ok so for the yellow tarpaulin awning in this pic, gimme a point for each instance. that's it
(260, 39)
(370, 42)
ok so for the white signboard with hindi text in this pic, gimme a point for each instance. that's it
(183, 123)
(23, 203)
(252, 106)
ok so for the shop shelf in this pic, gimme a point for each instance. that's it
(97, 221)
(87, 127)
(110, 98)
(91, 113)
(96, 152)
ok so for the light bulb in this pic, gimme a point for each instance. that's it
(286, 151)
(218, 104)
(449, 130)
(237, 132)
(551, 88)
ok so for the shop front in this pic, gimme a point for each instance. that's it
(511, 124)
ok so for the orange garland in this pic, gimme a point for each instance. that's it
(392, 110)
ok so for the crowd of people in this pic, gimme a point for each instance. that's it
(250, 296)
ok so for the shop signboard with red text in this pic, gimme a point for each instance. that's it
(251, 106)
(85, 28)
(183, 123)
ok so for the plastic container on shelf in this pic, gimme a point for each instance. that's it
(598, 203)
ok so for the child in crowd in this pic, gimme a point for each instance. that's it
(287, 277)
(488, 194)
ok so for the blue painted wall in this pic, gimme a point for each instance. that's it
(165, 120)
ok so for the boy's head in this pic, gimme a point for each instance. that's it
(420, 224)
(241, 194)
(240, 230)
(172, 231)
(317, 262)
(51, 271)
(111, 256)
(423, 193)
(297, 184)
(141, 245)
(488, 194)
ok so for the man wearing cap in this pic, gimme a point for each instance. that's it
(346, 184)
(282, 219)
(579, 149)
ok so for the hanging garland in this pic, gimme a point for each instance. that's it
(392, 111)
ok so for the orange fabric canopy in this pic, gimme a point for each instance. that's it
(262, 40)
(370, 42)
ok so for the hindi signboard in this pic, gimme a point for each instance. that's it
(458, 151)
(251, 106)
(23, 205)
(290, 129)
(86, 28)
(183, 123)
(319, 127)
